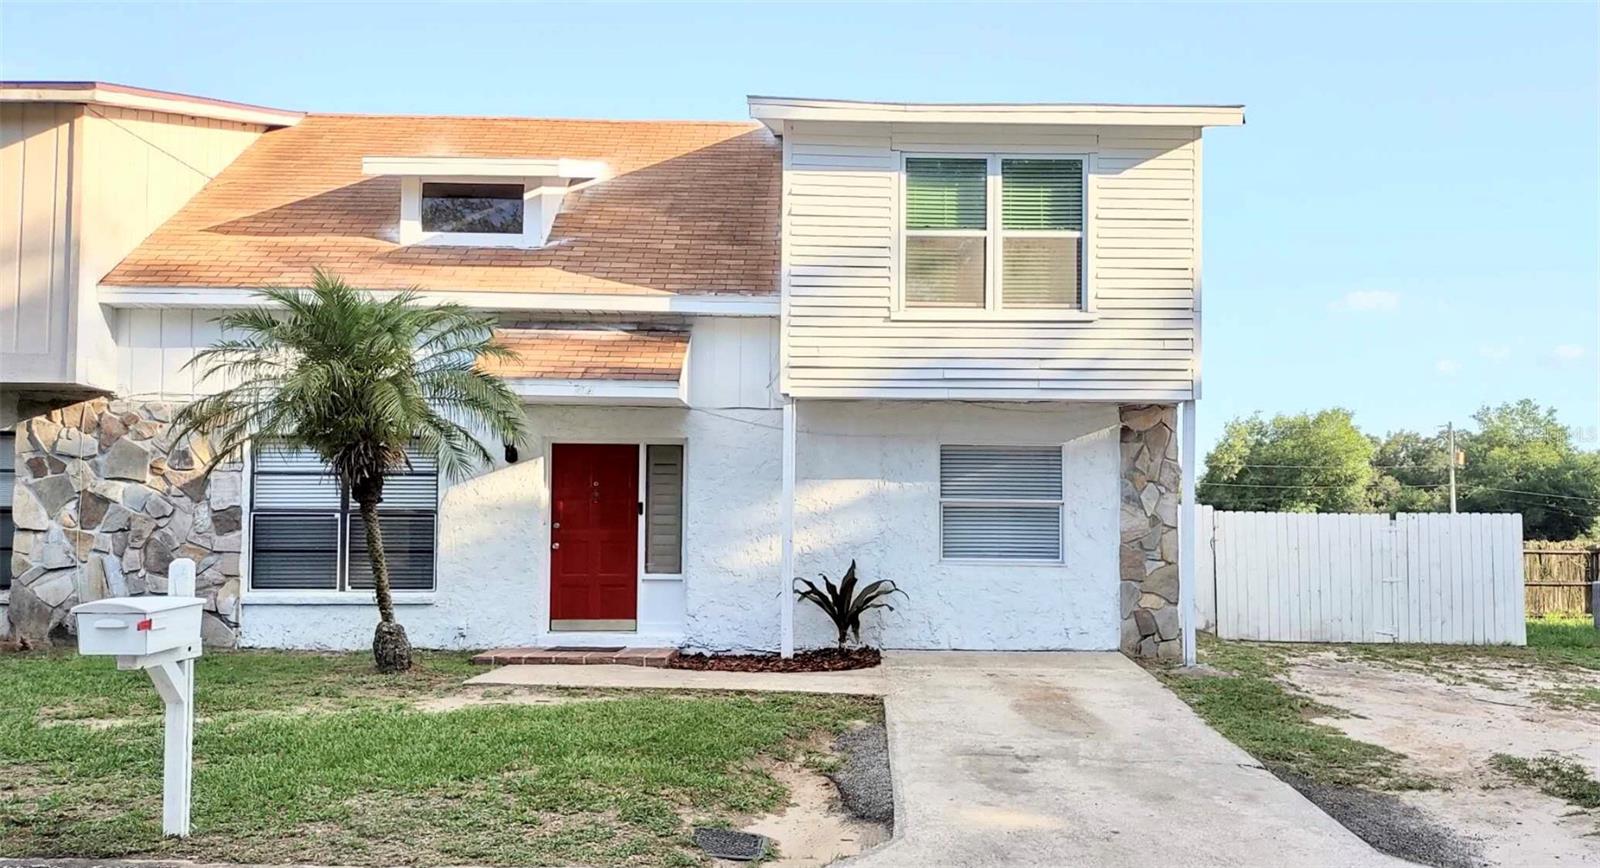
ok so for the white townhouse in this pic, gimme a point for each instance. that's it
(957, 344)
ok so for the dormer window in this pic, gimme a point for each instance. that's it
(489, 208)
(481, 201)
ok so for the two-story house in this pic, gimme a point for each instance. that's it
(951, 343)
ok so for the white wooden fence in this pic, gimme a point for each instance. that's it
(1428, 578)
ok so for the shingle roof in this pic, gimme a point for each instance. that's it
(592, 354)
(693, 208)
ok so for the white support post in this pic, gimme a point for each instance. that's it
(175, 683)
(1187, 533)
(786, 532)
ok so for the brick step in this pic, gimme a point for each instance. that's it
(656, 657)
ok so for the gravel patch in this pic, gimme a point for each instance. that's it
(862, 777)
(1390, 825)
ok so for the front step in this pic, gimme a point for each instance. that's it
(569, 655)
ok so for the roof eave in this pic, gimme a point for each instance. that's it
(774, 111)
(141, 99)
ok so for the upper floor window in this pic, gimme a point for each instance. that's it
(487, 208)
(993, 232)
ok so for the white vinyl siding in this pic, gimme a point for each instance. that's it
(663, 509)
(307, 534)
(1000, 503)
(847, 335)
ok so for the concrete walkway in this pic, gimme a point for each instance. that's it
(861, 682)
(1079, 759)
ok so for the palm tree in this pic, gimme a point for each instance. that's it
(358, 381)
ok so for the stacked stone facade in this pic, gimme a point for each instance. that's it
(104, 502)
(1148, 552)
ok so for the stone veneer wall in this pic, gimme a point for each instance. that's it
(104, 502)
(1148, 553)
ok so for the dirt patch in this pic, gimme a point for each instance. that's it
(469, 697)
(821, 660)
(812, 830)
(1449, 729)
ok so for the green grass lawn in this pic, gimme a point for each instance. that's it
(315, 758)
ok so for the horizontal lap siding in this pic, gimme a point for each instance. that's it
(840, 189)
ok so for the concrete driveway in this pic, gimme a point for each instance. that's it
(1079, 759)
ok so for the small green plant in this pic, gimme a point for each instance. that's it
(1554, 776)
(844, 604)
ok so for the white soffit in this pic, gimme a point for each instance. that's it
(774, 110)
(629, 393)
(485, 167)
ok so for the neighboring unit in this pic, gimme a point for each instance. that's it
(949, 342)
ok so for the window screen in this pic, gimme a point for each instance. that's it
(307, 533)
(1041, 208)
(946, 231)
(663, 507)
(1000, 502)
(494, 209)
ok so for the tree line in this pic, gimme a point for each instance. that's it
(1515, 458)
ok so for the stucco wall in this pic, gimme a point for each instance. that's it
(868, 489)
(494, 539)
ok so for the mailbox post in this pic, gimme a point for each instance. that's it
(160, 635)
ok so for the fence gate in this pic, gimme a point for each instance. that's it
(1426, 577)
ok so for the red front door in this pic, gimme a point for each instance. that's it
(594, 536)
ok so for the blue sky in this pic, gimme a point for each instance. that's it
(1407, 226)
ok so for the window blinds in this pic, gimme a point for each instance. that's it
(1000, 502)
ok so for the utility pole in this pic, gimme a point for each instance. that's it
(1450, 429)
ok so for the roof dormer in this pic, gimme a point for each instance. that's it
(481, 202)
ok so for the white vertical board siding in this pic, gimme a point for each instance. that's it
(154, 347)
(1426, 578)
(844, 338)
(139, 168)
(36, 154)
(733, 362)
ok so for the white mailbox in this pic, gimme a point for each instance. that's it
(138, 626)
(160, 635)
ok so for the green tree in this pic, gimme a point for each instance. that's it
(1521, 459)
(1410, 473)
(358, 381)
(1293, 463)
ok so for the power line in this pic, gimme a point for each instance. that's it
(1539, 493)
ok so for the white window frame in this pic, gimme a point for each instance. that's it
(994, 234)
(341, 591)
(1060, 503)
(533, 223)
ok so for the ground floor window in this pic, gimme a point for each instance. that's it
(1000, 503)
(307, 534)
(8, 481)
(663, 509)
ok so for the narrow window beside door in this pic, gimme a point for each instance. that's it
(1000, 502)
(663, 508)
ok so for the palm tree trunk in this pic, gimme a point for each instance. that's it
(391, 649)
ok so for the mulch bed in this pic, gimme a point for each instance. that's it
(821, 660)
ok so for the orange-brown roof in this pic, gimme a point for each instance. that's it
(592, 354)
(692, 208)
